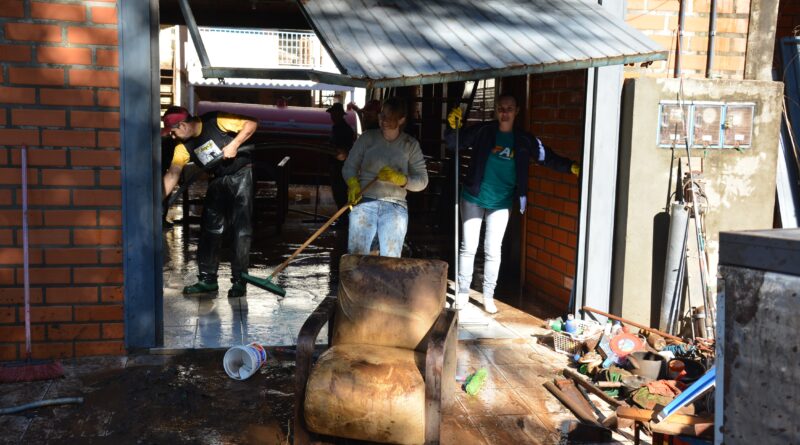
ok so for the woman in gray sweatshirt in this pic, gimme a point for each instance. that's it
(395, 158)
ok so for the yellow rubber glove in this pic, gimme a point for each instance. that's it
(353, 191)
(389, 174)
(454, 118)
(575, 169)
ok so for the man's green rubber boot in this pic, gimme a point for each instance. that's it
(201, 287)
(237, 290)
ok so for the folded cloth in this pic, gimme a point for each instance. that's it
(663, 388)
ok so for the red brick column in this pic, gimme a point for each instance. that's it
(59, 95)
(557, 113)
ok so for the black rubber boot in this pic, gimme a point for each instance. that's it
(201, 287)
(239, 289)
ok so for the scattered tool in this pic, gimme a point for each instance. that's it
(570, 390)
(266, 283)
(579, 411)
(640, 326)
(594, 390)
(28, 370)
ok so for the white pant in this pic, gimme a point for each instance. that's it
(472, 217)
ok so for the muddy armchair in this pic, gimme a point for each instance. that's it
(389, 369)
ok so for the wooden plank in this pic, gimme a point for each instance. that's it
(305, 353)
(437, 360)
(646, 415)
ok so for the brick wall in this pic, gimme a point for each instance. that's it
(59, 95)
(658, 19)
(556, 117)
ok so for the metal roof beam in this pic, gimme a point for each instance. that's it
(194, 31)
(340, 79)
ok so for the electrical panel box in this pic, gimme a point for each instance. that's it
(738, 126)
(671, 128)
(706, 125)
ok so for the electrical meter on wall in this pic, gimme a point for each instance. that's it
(707, 125)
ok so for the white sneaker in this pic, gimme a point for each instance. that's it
(461, 301)
(488, 305)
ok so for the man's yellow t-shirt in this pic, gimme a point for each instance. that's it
(228, 122)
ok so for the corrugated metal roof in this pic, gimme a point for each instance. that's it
(276, 84)
(407, 42)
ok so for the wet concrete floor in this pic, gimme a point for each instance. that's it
(186, 397)
(213, 320)
(180, 394)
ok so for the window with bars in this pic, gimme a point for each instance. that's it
(482, 108)
(295, 49)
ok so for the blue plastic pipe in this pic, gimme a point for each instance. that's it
(697, 389)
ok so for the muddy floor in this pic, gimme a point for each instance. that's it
(186, 399)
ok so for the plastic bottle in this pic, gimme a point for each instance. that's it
(475, 381)
(571, 326)
(607, 328)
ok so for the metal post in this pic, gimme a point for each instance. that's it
(194, 31)
(679, 45)
(456, 215)
(712, 35)
(673, 284)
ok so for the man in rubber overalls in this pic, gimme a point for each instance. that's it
(212, 141)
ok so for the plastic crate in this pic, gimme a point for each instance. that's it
(572, 343)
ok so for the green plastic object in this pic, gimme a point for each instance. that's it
(264, 283)
(475, 381)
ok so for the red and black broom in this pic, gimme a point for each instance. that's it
(28, 370)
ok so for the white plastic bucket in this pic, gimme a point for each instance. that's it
(241, 362)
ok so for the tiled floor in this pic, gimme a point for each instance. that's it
(214, 321)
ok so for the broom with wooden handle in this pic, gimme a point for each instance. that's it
(29, 369)
(267, 283)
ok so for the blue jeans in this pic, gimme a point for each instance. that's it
(386, 219)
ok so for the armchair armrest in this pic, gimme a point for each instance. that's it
(440, 367)
(306, 340)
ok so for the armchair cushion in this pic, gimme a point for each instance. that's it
(368, 392)
(388, 301)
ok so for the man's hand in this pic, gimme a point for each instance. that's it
(229, 151)
(341, 154)
(523, 204)
(454, 118)
(389, 174)
(353, 191)
(575, 169)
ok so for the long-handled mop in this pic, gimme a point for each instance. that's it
(28, 370)
(266, 283)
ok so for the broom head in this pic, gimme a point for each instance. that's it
(264, 283)
(30, 370)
